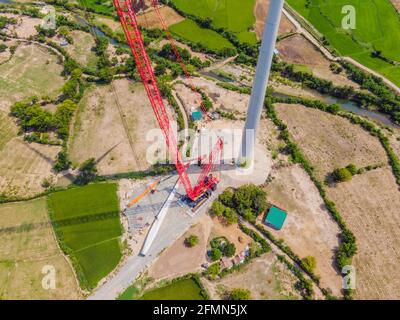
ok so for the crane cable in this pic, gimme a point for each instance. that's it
(178, 56)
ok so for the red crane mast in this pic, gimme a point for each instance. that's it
(134, 38)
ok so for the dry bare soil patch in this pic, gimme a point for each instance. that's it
(261, 11)
(24, 166)
(180, 259)
(32, 70)
(370, 205)
(222, 98)
(99, 130)
(298, 50)
(232, 233)
(396, 3)
(28, 244)
(265, 277)
(25, 26)
(149, 19)
(309, 229)
(330, 141)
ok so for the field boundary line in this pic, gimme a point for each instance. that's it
(95, 244)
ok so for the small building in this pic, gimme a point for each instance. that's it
(197, 115)
(226, 263)
(275, 218)
(63, 42)
(238, 259)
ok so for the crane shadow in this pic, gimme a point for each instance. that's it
(99, 159)
(42, 155)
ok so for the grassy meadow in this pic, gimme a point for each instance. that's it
(86, 220)
(189, 30)
(27, 245)
(377, 29)
(233, 15)
(185, 289)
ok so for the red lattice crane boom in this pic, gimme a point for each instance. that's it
(134, 38)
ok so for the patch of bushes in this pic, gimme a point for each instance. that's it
(191, 241)
(238, 294)
(257, 238)
(304, 286)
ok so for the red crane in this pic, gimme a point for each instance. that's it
(134, 38)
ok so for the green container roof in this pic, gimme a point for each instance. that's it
(276, 218)
(197, 115)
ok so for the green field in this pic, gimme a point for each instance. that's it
(102, 6)
(87, 223)
(233, 15)
(377, 29)
(189, 30)
(185, 289)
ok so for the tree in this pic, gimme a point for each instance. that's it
(62, 161)
(249, 215)
(226, 198)
(215, 254)
(63, 116)
(214, 269)
(217, 208)
(70, 88)
(230, 215)
(309, 263)
(192, 240)
(229, 249)
(250, 196)
(240, 294)
(87, 172)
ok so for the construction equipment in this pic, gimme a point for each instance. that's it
(149, 189)
(134, 38)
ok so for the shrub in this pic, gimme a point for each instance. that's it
(342, 175)
(352, 168)
(240, 294)
(3, 47)
(309, 263)
(192, 240)
(213, 269)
